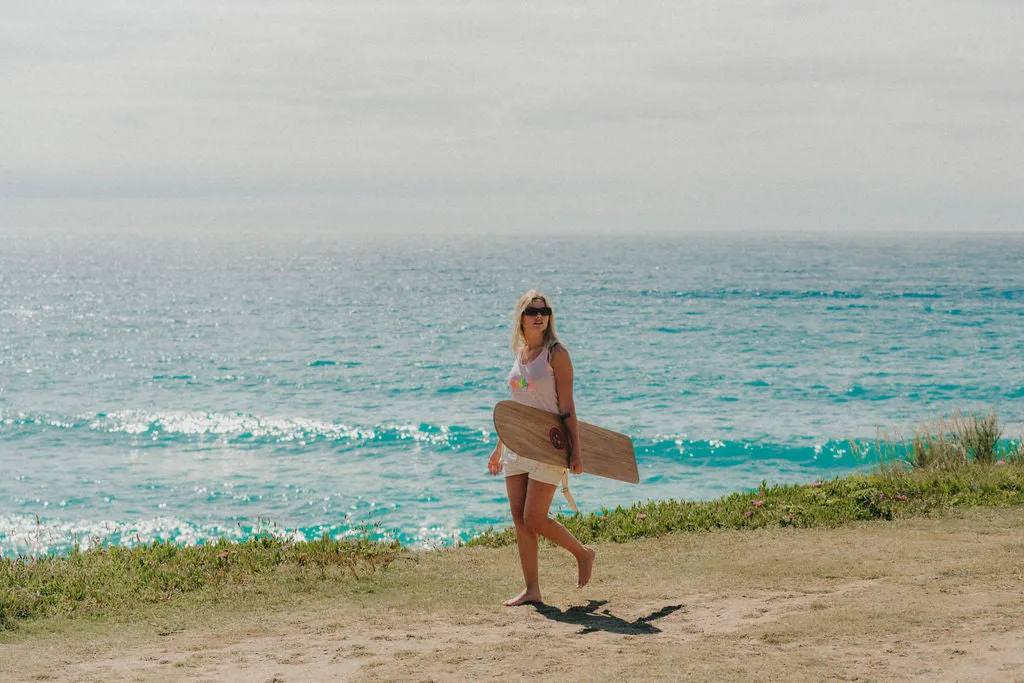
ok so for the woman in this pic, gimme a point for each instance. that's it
(541, 377)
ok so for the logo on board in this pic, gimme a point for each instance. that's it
(557, 438)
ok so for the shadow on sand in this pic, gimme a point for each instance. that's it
(592, 621)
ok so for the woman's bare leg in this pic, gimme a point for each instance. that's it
(536, 520)
(526, 540)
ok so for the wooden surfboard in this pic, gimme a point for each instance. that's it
(540, 435)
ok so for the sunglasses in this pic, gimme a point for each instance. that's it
(530, 311)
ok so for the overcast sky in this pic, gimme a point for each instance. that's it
(566, 117)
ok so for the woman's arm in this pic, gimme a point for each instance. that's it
(561, 364)
(494, 462)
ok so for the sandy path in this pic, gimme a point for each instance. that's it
(918, 600)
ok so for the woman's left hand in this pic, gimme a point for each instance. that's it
(494, 462)
(576, 463)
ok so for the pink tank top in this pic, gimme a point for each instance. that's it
(533, 383)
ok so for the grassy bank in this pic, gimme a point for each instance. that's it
(820, 504)
(957, 462)
(116, 580)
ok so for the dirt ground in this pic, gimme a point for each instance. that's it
(939, 599)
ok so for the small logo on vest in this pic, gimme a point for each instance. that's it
(557, 438)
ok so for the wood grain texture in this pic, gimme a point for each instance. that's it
(530, 432)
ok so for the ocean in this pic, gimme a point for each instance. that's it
(187, 388)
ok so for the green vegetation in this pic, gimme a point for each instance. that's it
(888, 495)
(113, 579)
(961, 461)
(951, 444)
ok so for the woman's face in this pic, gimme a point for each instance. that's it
(534, 320)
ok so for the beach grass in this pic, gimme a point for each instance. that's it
(957, 462)
(948, 444)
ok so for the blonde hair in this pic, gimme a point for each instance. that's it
(518, 339)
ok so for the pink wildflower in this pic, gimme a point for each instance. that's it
(748, 513)
(224, 554)
(641, 516)
(758, 503)
(1000, 462)
(815, 484)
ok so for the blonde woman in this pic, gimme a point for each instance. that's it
(541, 377)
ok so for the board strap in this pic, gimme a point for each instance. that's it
(565, 492)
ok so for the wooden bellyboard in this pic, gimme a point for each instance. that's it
(540, 435)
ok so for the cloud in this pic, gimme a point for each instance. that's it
(449, 113)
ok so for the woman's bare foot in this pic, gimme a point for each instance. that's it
(527, 597)
(584, 566)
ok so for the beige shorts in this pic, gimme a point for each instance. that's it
(538, 471)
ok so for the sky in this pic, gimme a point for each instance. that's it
(378, 117)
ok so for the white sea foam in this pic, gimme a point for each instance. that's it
(28, 535)
(277, 429)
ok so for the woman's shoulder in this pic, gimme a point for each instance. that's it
(557, 351)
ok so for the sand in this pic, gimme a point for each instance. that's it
(928, 599)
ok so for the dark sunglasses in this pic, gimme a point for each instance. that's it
(531, 311)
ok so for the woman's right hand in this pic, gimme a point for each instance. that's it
(494, 463)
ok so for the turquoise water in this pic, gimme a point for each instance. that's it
(191, 388)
